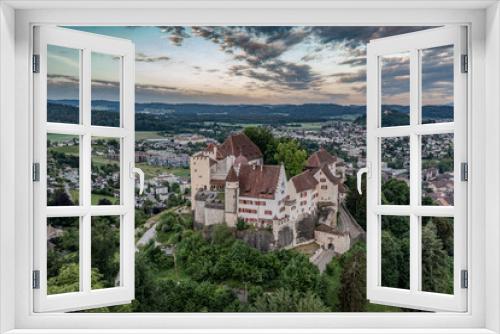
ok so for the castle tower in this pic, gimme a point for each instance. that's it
(199, 165)
(231, 198)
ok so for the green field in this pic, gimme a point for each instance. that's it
(95, 198)
(69, 150)
(100, 161)
(53, 137)
(141, 135)
(153, 171)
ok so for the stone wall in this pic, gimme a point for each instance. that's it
(199, 212)
(305, 228)
(214, 215)
(285, 237)
(262, 240)
(339, 242)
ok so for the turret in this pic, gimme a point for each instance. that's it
(231, 197)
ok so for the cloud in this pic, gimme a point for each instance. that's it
(354, 37)
(156, 88)
(437, 75)
(351, 77)
(60, 80)
(280, 73)
(177, 34)
(260, 49)
(143, 58)
(354, 61)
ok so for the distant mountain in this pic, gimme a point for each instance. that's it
(432, 112)
(394, 115)
(164, 116)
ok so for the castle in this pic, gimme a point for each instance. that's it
(230, 183)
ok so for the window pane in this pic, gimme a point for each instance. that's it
(437, 169)
(105, 234)
(437, 254)
(437, 84)
(395, 252)
(395, 169)
(63, 169)
(105, 171)
(106, 73)
(63, 84)
(395, 90)
(63, 271)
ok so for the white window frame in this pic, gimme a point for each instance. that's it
(16, 20)
(85, 44)
(412, 44)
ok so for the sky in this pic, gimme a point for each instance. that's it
(252, 65)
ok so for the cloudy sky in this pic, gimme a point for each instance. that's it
(232, 65)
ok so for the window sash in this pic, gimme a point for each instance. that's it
(414, 297)
(86, 43)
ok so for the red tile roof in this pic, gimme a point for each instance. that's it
(239, 144)
(320, 158)
(231, 176)
(304, 181)
(259, 181)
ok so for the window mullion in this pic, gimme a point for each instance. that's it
(415, 245)
(86, 170)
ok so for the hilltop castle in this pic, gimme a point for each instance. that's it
(230, 182)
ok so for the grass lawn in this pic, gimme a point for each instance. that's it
(69, 150)
(152, 171)
(54, 137)
(100, 161)
(307, 249)
(74, 193)
(95, 198)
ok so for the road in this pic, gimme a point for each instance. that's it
(323, 259)
(150, 224)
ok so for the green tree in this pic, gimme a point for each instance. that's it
(437, 265)
(299, 274)
(283, 300)
(241, 225)
(60, 198)
(395, 260)
(264, 139)
(356, 202)
(343, 284)
(353, 280)
(292, 156)
(395, 192)
(175, 187)
(68, 279)
(106, 248)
